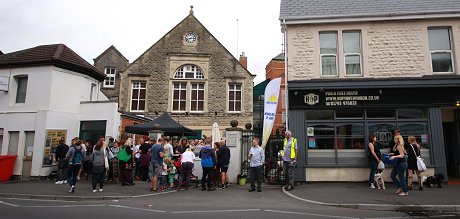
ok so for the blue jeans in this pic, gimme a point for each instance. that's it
(373, 165)
(400, 170)
(72, 173)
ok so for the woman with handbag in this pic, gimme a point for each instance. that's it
(125, 157)
(374, 156)
(413, 152)
(400, 168)
(99, 160)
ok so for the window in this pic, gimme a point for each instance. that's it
(440, 49)
(189, 72)
(197, 99)
(328, 51)
(138, 92)
(110, 77)
(234, 97)
(179, 96)
(1, 140)
(22, 89)
(352, 52)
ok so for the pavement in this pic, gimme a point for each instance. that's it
(338, 194)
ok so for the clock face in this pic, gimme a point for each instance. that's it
(190, 37)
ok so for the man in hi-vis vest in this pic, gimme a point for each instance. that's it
(289, 155)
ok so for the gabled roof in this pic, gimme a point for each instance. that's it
(302, 10)
(107, 50)
(279, 57)
(58, 55)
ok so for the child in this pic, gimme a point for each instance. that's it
(164, 174)
(172, 174)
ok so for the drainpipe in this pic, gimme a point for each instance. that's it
(286, 99)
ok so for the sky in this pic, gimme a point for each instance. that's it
(89, 27)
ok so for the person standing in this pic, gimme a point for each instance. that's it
(374, 156)
(257, 157)
(223, 161)
(412, 153)
(157, 152)
(208, 163)
(125, 158)
(61, 151)
(186, 168)
(289, 155)
(400, 168)
(98, 160)
(75, 156)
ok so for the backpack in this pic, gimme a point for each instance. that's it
(77, 157)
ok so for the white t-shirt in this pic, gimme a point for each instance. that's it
(187, 156)
(136, 150)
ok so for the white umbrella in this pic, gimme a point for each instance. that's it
(215, 133)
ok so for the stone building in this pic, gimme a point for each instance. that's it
(360, 67)
(190, 75)
(111, 62)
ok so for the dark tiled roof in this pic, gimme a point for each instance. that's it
(316, 9)
(58, 55)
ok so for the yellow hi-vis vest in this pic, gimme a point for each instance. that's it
(293, 142)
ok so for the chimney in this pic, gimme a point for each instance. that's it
(244, 60)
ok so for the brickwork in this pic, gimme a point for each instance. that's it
(157, 65)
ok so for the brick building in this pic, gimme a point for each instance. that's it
(360, 67)
(190, 75)
(275, 69)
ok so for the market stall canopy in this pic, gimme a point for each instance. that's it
(167, 125)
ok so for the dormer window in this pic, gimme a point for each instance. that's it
(189, 72)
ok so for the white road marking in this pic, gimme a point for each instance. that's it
(62, 206)
(433, 216)
(133, 208)
(214, 211)
(318, 215)
(38, 200)
(9, 204)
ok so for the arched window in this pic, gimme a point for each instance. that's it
(189, 72)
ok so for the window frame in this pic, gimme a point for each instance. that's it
(185, 83)
(228, 97)
(192, 100)
(17, 79)
(329, 54)
(181, 74)
(131, 96)
(352, 54)
(449, 34)
(107, 77)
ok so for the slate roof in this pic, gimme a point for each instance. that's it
(323, 9)
(114, 49)
(279, 57)
(58, 55)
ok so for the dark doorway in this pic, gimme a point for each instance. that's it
(92, 130)
(452, 147)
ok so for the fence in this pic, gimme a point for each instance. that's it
(273, 168)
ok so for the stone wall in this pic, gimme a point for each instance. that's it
(157, 66)
(111, 58)
(389, 48)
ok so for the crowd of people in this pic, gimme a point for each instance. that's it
(166, 165)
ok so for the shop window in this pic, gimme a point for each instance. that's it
(380, 114)
(349, 114)
(328, 53)
(321, 144)
(350, 136)
(412, 114)
(441, 49)
(383, 131)
(319, 115)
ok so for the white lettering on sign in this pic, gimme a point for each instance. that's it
(346, 98)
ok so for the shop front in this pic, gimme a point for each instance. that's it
(333, 119)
